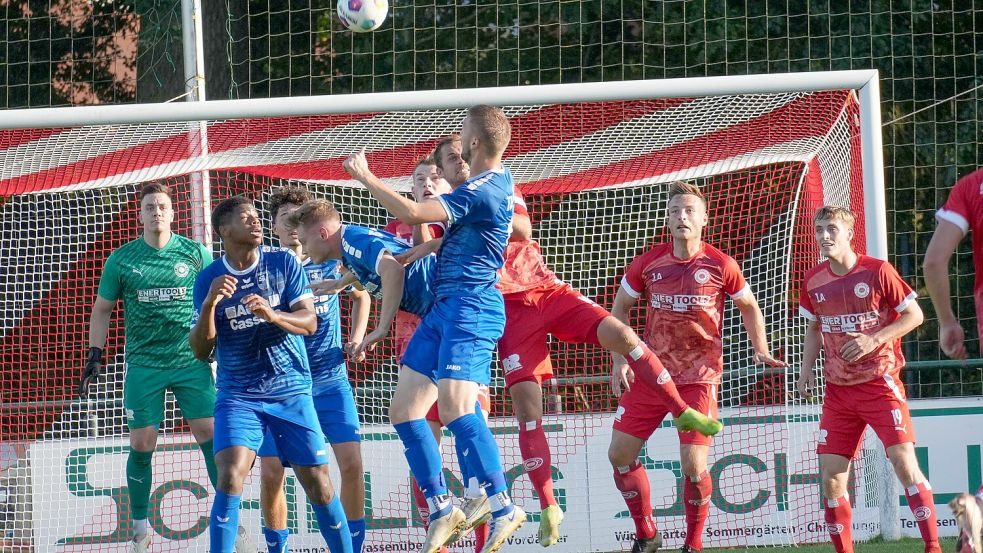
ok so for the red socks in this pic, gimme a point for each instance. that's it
(633, 482)
(648, 367)
(536, 460)
(480, 537)
(839, 515)
(696, 502)
(922, 505)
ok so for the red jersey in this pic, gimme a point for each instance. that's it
(404, 231)
(686, 308)
(964, 208)
(524, 267)
(866, 299)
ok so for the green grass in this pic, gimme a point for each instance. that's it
(903, 546)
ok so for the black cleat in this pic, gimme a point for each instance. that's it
(650, 545)
(688, 549)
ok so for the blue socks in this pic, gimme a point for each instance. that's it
(479, 449)
(276, 540)
(357, 528)
(334, 526)
(224, 523)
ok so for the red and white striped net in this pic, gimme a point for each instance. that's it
(595, 177)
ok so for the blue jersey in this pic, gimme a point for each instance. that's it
(324, 350)
(257, 359)
(480, 216)
(362, 249)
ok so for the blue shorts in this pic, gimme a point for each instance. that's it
(337, 415)
(292, 423)
(458, 337)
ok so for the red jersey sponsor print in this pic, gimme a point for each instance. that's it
(964, 208)
(864, 300)
(685, 300)
(405, 232)
(524, 267)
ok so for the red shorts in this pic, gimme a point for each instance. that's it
(531, 315)
(433, 415)
(404, 325)
(640, 411)
(847, 410)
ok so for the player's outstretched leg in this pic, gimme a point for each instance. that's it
(615, 336)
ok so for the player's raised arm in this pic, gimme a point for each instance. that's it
(404, 209)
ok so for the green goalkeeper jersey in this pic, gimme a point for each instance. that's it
(156, 288)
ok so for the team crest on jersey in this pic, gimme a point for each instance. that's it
(182, 269)
(862, 290)
(702, 276)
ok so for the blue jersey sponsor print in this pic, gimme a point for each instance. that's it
(257, 359)
(480, 216)
(362, 249)
(324, 348)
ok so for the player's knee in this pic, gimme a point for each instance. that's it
(615, 335)
(619, 459)
(350, 468)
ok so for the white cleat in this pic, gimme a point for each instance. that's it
(139, 544)
(502, 527)
(442, 530)
(244, 544)
(476, 511)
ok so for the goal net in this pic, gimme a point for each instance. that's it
(595, 176)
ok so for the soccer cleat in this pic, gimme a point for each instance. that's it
(442, 530)
(244, 544)
(476, 511)
(647, 545)
(691, 419)
(549, 525)
(139, 544)
(688, 549)
(502, 527)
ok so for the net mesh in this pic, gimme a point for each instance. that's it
(594, 176)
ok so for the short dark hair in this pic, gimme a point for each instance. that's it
(155, 188)
(444, 142)
(287, 195)
(225, 208)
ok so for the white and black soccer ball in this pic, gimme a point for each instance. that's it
(363, 16)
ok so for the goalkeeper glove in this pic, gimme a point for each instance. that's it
(93, 369)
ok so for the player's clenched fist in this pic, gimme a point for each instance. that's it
(357, 166)
(260, 307)
(222, 287)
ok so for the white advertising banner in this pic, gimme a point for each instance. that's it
(763, 468)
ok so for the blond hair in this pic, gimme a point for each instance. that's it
(492, 127)
(835, 213)
(679, 188)
(316, 211)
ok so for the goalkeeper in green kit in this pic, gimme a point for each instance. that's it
(154, 275)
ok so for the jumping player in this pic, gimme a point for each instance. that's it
(858, 309)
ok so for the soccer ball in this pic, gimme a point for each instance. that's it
(362, 16)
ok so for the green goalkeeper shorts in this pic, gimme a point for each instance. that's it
(143, 393)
